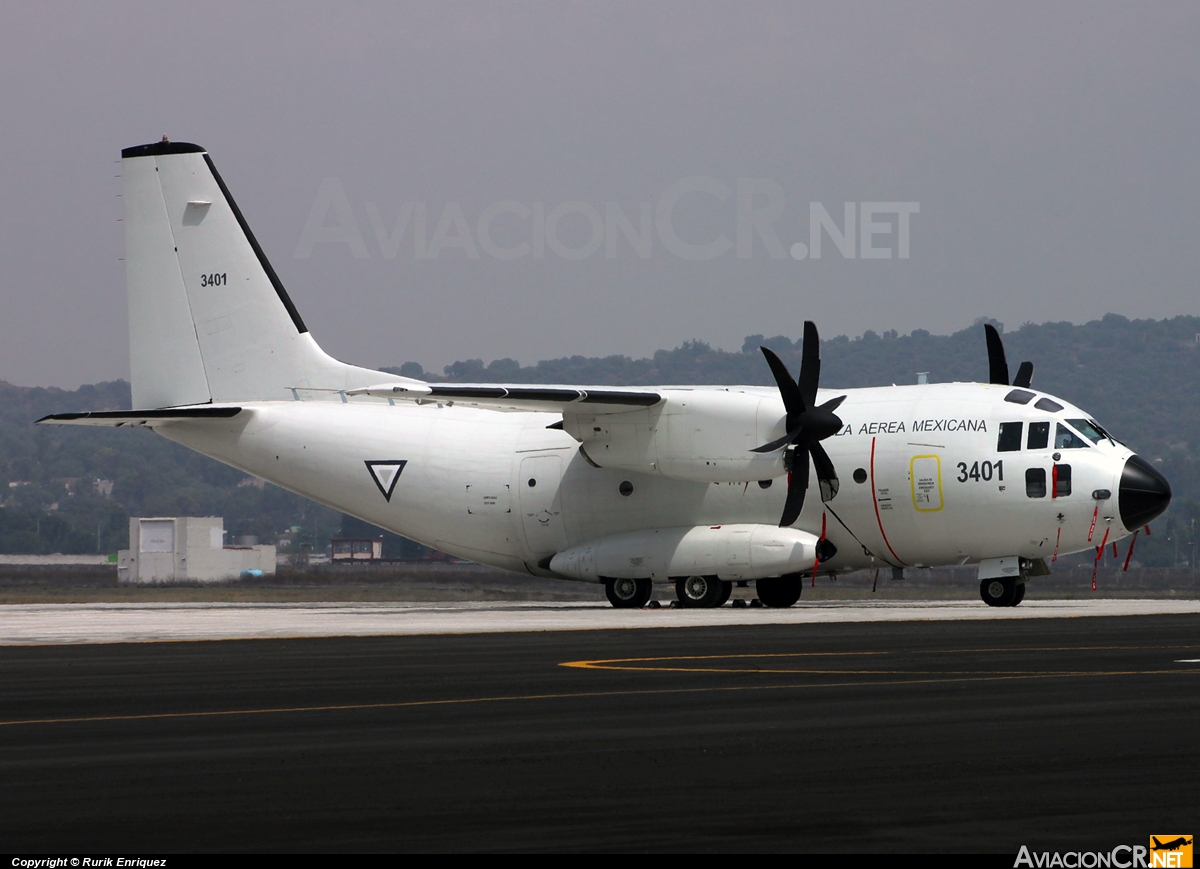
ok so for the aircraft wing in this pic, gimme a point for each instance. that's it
(513, 397)
(140, 417)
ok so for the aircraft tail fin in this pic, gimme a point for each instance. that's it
(209, 320)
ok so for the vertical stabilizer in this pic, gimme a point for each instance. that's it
(209, 319)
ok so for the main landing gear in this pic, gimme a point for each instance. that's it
(779, 591)
(1001, 591)
(628, 593)
(702, 591)
(709, 591)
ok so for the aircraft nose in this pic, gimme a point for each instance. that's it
(1143, 495)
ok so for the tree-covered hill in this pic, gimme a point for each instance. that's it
(1139, 378)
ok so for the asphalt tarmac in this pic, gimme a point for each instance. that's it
(916, 736)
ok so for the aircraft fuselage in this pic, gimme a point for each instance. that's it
(924, 481)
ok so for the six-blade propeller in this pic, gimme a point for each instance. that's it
(806, 424)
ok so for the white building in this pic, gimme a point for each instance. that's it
(187, 548)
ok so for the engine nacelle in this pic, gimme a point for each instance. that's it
(729, 551)
(705, 435)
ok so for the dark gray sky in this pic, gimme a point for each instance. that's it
(1053, 151)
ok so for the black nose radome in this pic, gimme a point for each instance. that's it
(1144, 493)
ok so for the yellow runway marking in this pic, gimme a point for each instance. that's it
(600, 664)
(654, 664)
(573, 695)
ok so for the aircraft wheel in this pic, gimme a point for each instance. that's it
(726, 591)
(628, 593)
(1019, 595)
(998, 591)
(700, 591)
(779, 591)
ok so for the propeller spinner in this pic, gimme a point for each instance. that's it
(807, 425)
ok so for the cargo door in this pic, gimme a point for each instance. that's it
(541, 504)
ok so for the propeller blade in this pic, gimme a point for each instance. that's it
(826, 475)
(793, 401)
(810, 364)
(797, 486)
(997, 364)
(1024, 375)
(779, 442)
(833, 404)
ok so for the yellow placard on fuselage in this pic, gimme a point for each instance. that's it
(925, 476)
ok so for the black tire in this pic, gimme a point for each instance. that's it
(998, 591)
(628, 593)
(699, 591)
(726, 591)
(779, 591)
(1020, 594)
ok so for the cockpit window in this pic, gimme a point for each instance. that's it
(1009, 440)
(1088, 430)
(1065, 439)
(1019, 396)
(1039, 435)
(1048, 405)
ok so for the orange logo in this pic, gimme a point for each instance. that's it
(1171, 852)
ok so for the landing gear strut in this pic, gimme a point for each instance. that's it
(628, 593)
(702, 591)
(1001, 591)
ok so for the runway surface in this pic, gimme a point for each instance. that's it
(33, 624)
(951, 735)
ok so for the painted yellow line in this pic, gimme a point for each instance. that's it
(572, 695)
(612, 663)
(589, 665)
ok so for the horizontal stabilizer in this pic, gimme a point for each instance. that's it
(555, 399)
(140, 417)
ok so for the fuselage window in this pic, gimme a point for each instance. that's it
(1039, 435)
(1065, 439)
(1089, 431)
(1048, 405)
(1035, 482)
(1019, 396)
(1010, 437)
(1062, 481)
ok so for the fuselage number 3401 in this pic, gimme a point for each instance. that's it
(980, 471)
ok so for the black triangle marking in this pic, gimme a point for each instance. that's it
(385, 473)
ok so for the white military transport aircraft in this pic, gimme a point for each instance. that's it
(701, 486)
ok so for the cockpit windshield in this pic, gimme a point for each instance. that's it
(1089, 429)
(1065, 439)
